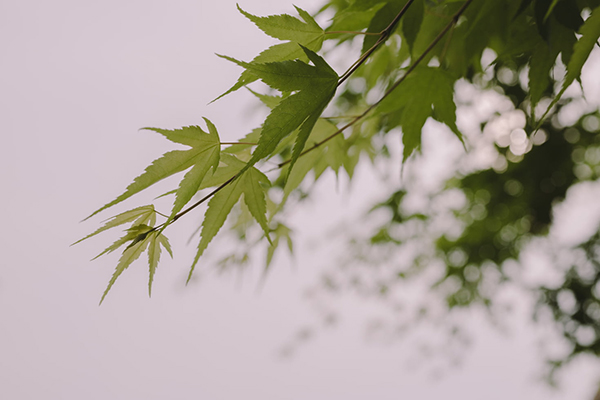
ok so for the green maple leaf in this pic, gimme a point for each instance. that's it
(313, 87)
(590, 32)
(203, 155)
(427, 92)
(142, 237)
(561, 40)
(250, 184)
(411, 22)
(331, 154)
(286, 27)
(146, 216)
(280, 232)
(139, 215)
(283, 27)
(154, 255)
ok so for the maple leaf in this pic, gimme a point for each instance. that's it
(140, 235)
(143, 237)
(331, 154)
(313, 87)
(590, 32)
(139, 215)
(427, 92)
(203, 155)
(249, 183)
(543, 58)
(283, 27)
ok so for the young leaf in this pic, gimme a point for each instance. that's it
(254, 196)
(139, 227)
(128, 216)
(425, 93)
(219, 207)
(280, 232)
(130, 254)
(203, 155)
(156, 240)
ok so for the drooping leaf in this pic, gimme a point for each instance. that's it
(142, 213)
(130, 254)
(411, 22)
(135, 233)
(140, 237)
(280, 232)
(427, 92)
(254, 196)
(303, 167)
(156, 240)
(153, 259)
(203, 155)
(219, 207)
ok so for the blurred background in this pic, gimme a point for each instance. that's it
(79, 79)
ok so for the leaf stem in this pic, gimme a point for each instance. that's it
(161, 214)
(352, 33)
(383, 35)
(234, 143)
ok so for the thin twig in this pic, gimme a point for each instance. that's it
(352, 33)
(383, 35)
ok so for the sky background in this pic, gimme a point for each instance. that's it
(78, 80)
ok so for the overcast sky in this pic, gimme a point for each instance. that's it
(78, 80)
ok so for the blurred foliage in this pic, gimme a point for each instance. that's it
(507, 204)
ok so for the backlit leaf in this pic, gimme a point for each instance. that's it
(314, 86)
(219, 207)
(203, 155)
(283, 27)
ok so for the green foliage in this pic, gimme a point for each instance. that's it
(283, 27)
(249, 183)
(204, 154)
(414, 54)
(425, 93)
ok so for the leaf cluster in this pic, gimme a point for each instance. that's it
(412, 55)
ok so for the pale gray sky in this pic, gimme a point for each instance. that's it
(78, 81)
